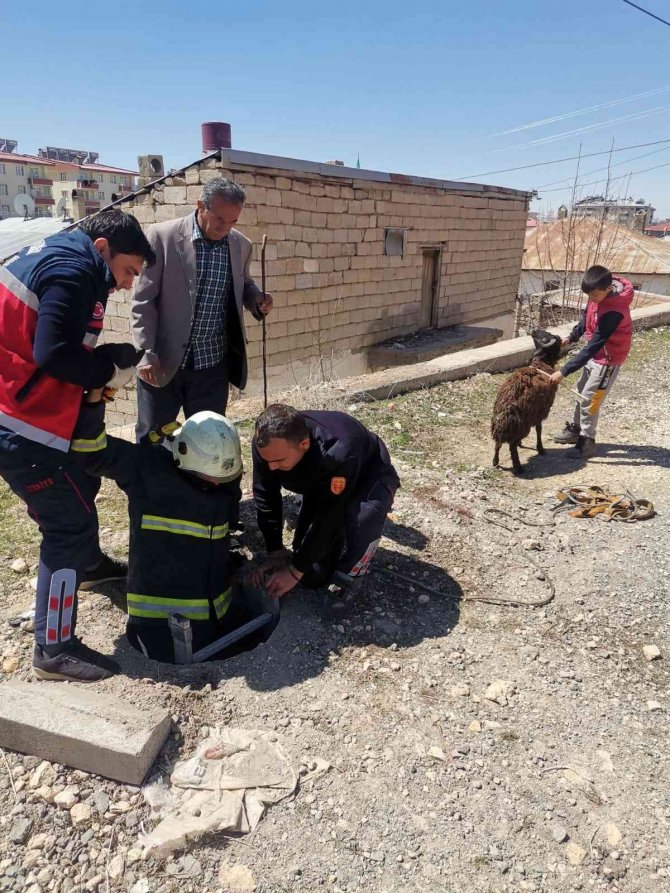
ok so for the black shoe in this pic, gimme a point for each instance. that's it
(75, 663)
(569, 434)
(341, 596)
(107, 570)
(583, 449)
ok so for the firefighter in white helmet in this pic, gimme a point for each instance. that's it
(183, 487)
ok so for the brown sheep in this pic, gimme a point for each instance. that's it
(524, 400)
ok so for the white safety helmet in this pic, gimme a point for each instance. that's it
(207, 443)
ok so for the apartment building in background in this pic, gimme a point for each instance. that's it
(62, 182)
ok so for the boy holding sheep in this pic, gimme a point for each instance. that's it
(607, 324)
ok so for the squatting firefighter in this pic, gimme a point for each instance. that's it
(347, 482)
(183, 488)
(53, 297)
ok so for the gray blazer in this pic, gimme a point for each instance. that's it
(163, 301)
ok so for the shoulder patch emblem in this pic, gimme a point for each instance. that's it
(337, 485)
(98, 310)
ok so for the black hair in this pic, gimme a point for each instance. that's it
(122, 231)
(280, 420)
(596, 277)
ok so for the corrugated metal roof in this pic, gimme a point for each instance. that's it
(16, 233)
(24, 159)
(576, 244)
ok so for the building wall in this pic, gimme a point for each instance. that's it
(335, 290)
(69, 177)
(16, 178)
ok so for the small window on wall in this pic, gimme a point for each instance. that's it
(394, 242)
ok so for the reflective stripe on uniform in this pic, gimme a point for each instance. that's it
(83, 445)
(17, 289)
(185, 528)
(195, 609)
(222, 602)
(152, 606)
(32, 432)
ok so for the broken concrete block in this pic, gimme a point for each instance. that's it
(86, 730)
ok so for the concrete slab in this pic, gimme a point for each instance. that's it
(499, 357)
(77, 727)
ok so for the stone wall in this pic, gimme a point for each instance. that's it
(335, 290)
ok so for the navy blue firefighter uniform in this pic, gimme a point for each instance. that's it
(347, 484)
(179, 556)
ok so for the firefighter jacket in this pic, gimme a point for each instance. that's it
(52, 303)
(343, 456)
(179, 559)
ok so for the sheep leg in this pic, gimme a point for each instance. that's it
(516, 464)
(496, 456)
(541, 450)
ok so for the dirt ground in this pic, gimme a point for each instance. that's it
(555, 779)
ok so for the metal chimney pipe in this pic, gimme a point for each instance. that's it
(215, 135)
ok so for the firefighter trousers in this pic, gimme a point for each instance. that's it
(355, 544)
(60, 498)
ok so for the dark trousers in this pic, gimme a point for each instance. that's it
(190, 389)
(355, 544)
(60, 498)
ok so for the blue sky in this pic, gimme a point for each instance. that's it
(414, 87)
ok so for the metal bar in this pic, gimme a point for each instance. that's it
(265, 355)
(182, 638)
(232, 637)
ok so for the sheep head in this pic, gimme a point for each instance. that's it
(547, 346)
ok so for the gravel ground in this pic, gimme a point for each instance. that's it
(473, 747)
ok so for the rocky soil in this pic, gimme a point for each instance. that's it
(473, 746)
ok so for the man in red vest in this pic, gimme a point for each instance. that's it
(607, 324)
(52, 305)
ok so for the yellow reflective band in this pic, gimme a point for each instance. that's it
(222, 603)
(156, 607)
(82, 445)
(183, 527)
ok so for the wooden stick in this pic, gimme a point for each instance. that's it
(572, 390)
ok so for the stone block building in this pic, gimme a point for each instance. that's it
(354, 258)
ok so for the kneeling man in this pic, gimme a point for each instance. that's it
(347, 483)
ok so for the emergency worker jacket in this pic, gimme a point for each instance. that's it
(53, 297)
(179, 557)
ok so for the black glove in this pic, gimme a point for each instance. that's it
(122, 355)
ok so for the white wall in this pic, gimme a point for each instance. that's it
(534, 281)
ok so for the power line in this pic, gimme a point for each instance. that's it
(646, 12)
(597, 170)
(613, 179)
(524, 167)
(593, 108)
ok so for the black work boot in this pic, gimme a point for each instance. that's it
(342, 593)
(107, 570)
(76, 662)
(569, 434)
(583, 449)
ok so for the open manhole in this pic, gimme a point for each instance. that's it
(250, 620)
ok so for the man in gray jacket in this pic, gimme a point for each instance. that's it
(187, 310)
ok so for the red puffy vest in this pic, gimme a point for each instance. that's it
(617, 348)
